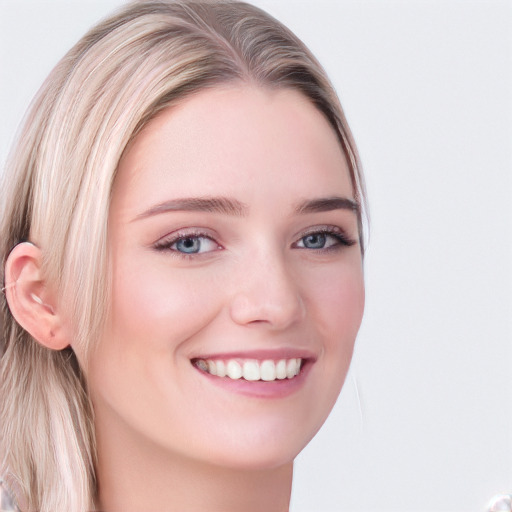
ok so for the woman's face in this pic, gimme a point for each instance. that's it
(234, 248)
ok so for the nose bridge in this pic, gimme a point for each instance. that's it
(267, 290)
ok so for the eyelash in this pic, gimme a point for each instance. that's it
(341, 240)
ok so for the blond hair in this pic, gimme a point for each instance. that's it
(56, 194)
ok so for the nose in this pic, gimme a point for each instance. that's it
(267, 293)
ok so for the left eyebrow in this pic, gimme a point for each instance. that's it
(327, 204)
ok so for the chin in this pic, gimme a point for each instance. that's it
(259, 449)
(257, 460)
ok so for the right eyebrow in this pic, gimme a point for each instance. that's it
(224, 205)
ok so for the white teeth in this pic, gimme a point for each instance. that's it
(292, 368)
(268, 370)
(281, 369)
(251, 369)
(221, 369)
(212, 368)
(233, 370)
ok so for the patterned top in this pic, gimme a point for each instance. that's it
(7, 503)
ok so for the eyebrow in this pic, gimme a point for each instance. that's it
(327, 204)
(223, 205)
(229, 206)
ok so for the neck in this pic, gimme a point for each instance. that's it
(134, 477)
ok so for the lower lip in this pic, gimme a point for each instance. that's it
(261, 389)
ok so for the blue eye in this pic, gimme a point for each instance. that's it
(193, 244)
(190, 245)
(324, 240)
(314, 241)
(187, 244)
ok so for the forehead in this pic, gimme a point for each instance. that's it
(237, 140)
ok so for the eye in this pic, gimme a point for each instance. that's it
(323, 239)
(194, 245)
(187, 244)
(315, 241)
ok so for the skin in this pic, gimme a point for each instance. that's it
(169, 439)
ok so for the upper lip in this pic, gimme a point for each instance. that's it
(260, 354)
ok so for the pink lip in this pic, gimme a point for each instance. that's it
(259, 389)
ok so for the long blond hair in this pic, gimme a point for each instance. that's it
(56, 193)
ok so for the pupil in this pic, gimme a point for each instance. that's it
(188, 245)
(315, 241)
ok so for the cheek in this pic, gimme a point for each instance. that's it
(337, 307)
(167, 303)
(337, 296)
(345, 303)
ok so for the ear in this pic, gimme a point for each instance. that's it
(30, 300)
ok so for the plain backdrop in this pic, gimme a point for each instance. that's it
(424, 422)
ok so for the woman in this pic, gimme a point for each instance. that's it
(182, 248)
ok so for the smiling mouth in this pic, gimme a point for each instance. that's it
(267, 370)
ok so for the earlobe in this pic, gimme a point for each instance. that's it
(30, 300)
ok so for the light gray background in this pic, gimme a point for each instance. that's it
(427, 88)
